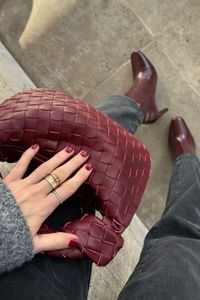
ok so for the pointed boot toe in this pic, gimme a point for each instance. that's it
(144, 87)
(181, 140)
(143, 68)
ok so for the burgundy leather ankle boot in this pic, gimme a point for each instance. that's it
(181, 140)
(144, 87)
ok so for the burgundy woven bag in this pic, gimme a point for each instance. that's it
(121, 164)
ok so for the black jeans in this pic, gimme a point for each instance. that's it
(169, 266)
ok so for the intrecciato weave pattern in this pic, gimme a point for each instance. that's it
(121, 164)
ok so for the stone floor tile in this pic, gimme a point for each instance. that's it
(182, 45)
(76, 48)
(116, 84)
(12, 78)
(159, 14)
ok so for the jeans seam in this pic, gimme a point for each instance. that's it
(178, 181)
(177, 193)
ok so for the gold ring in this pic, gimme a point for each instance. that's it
(57, 196)
(53, 180)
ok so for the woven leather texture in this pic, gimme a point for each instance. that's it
(121, 163)
(97, 240)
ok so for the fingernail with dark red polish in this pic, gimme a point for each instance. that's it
(34, 146)
(88, 167)
(73, 243)
(84, 153)
(68, 149)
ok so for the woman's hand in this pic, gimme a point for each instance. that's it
(34, 194)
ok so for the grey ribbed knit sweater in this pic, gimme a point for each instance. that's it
(16, 244)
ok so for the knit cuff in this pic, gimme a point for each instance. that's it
(16, 243)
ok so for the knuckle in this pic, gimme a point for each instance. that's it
(60, 155)
(73, 166)
(20, 165)
(33, 191)
(21, 162)
(53, 242)
(77, 161)
(37, 189)
(83, 172)
(44, 167)
(80, 176)
(72, 186)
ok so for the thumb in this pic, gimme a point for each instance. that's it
(55, 241)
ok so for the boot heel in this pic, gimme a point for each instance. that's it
(152, 116)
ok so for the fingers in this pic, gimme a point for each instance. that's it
(65, 170)
(54, 241)
(50, 165)
(68, 188)
(19, 169)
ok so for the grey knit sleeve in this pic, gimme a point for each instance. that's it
(16, 244)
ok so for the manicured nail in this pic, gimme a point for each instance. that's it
(68, 149)
(84, 153)
(34, 146)
(88, 167)
(73, 243)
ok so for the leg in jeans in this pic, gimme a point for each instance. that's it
(124, 110)
(46, 277)
(169, 265)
